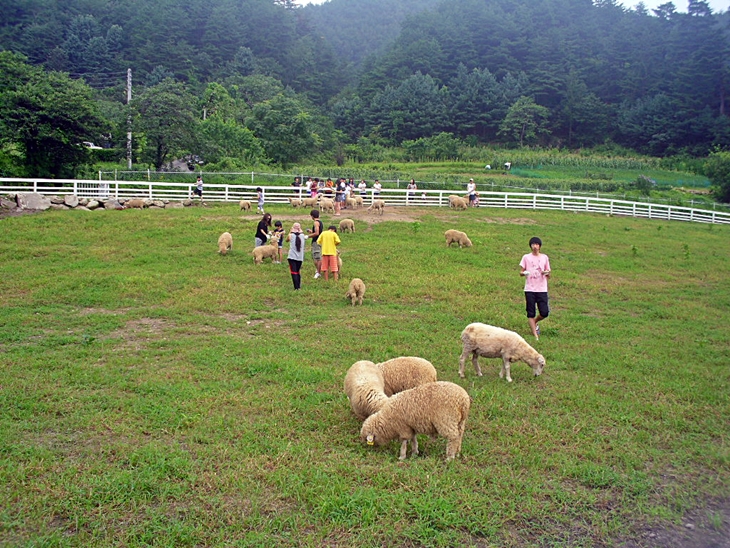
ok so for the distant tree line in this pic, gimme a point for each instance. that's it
(252, 82)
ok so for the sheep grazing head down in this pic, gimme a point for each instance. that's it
(538, 366)
(370, 439)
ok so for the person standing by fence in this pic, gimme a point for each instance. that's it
(198, 190)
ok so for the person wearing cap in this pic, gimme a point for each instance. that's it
(471, 191)
(296, 254)
(535, 267)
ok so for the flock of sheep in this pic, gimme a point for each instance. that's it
(401, 398)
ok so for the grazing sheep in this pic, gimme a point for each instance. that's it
(459, 203)
(364, 389)
(455, 236)
(452, 199)
(137, 203)
(309, 202)
(359, 202)
(377, 205)
(295, 202)
(356, 291)
(269, 250)
(225, 243)
(327, 204)
(406, 372)
(339, 262)
(479, 339)
(350, 203)
(347, 225)
(433, 408)
(244, 205)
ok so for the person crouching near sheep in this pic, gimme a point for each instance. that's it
(279, 235)
(329, 240)
(296, 254)
(535, 267)
(262, 230)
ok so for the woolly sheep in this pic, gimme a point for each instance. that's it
(377, 205)
(364, 389)
(459, 203)
(488, 341)
(406, 372)
(347, 225)
(433, 408)
(456, 236)
(356, 291)
(327, 204)
(244, 205)
(350, 203)
(269, 250)
(225, 243)
(452, 199)
(359, 201)
(138, 203)
(295, 202)
(309, 202)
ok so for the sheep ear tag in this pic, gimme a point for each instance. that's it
(370, 439)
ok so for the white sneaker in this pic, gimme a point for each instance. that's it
(317, 275)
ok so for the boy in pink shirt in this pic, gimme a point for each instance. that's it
(535, 267)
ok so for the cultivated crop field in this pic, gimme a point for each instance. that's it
(154, 392)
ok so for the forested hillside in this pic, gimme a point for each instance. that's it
(251, 82)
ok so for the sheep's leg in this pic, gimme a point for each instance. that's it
(452, 448)
(475, 361)
(505, 369)
(462, 360)
(403, 449)
(414, 445)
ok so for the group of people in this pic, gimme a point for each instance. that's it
(324, 246)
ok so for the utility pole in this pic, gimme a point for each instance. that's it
(129, 119)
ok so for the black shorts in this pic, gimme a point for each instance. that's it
(198, 192)
(540, 300)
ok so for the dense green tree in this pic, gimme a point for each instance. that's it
(46, 116)
(165, 118)
(221, 139)
(717, 170)
(525, 123)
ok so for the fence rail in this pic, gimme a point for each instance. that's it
(393, 197)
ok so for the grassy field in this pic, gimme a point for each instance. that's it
(156, 393)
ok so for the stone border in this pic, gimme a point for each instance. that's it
(39, 202)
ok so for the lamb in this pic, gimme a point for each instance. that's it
(225, 243)
(359, 202)
(456, 236)
(244, 205)
(406, 372)
(433, 408)
(347, 225)
(138, 203)
(364, 388)
(494, 342)
(356, 291)
(377, 205)
(295, 202)
(269, 250)
(309, 202)
(327, 204)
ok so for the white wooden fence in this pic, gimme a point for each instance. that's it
(394, 197)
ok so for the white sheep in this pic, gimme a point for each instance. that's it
(295, 202)
(356, 291)
(135, 203)
(406, 372)
(350, 203)
(327, 204)
(309, 202)
(459, 203)
(359, 202)
(433, 408)
(225, 243)
(269, 250)
(364, 388)
(456, 236)
(488, 341)
(347, 225)
(452, 199)
(377, 205)
(244, 205)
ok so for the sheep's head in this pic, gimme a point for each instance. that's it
(467, 242)
(539, 365)
(370, 439)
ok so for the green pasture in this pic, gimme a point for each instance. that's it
(156, 393)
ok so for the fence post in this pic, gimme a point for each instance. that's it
(252, 177)
(100, 175)
(148, 174)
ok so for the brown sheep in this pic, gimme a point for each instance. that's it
(377, 205)
(269, 250)
(225, 243)
(456, 236)
(356, 291)
(347, 225)
(244, 205)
